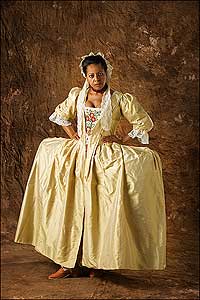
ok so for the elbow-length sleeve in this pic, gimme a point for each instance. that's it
(132, 110)
(65, 112)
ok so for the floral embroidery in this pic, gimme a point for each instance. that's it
(92, 115)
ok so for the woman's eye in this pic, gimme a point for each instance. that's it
(100, 74)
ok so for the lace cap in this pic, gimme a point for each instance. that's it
(109, 66)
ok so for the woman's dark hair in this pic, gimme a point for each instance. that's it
(93, 59)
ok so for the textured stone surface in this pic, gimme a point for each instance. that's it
(153, 47)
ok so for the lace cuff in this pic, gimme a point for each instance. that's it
(58, 120)
(142, 135)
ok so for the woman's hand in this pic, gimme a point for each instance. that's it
(111, 139)
(75, 136)
(71, 132)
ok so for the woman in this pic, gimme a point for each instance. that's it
(90, 194)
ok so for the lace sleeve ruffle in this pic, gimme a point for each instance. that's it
(141, 135)
(54, 117)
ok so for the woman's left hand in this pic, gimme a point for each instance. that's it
(111, 139)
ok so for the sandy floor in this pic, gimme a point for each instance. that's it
(24, 276)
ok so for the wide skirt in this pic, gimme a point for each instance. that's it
(118, 211)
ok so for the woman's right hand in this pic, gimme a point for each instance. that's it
(71, 132)
(75, 136)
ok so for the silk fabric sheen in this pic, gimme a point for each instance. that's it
(113, 195)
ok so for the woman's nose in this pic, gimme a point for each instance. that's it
(96, 77)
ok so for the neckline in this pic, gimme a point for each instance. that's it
(90, 107)
(101, 102)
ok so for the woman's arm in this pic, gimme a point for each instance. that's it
(71, 132)
(133, 111)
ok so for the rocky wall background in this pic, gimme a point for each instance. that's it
(153, 47)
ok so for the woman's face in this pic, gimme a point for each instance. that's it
(96, 76)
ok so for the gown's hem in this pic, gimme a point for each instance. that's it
(91, 266)
(125, 268)
(69, 265)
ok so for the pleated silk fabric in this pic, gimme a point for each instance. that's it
(112, 196)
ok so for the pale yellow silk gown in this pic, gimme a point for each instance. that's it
(112, 196)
